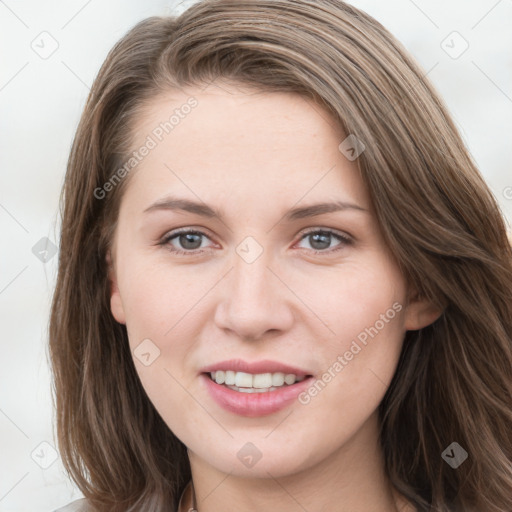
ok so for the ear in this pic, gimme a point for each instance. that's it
(420, 312)
(116, 304)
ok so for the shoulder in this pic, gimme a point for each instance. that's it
(75, 506)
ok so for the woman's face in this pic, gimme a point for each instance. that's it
(268, 283)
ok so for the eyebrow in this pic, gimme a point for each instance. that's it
(204, 210)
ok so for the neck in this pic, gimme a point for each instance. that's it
(351, 478)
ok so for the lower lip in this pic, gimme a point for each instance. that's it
(254, 404)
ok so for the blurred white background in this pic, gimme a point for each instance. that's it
(41, 98)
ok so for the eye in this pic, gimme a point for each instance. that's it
(190, 241)
(320, 240)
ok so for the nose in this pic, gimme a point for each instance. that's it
(255, 302)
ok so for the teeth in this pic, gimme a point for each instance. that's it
(243, 380)
(277, 379)
(262, 380)
(247, 382)
(289, 379)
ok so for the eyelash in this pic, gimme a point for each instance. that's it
(345, 240)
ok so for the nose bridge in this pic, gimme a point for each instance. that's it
(251, 277)
(253, 302)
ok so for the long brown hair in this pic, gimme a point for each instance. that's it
(454, 378)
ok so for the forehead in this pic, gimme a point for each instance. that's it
(240, 143)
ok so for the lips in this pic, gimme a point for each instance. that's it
(254, 404)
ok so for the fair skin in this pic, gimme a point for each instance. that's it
(253, 156)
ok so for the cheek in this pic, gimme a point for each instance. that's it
(360, 358)
(156, 299)
(371, 310)
(161, 327)
(347, 394)
(352, 298)
(373, 331)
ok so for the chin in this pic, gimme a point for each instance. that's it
(255, 460)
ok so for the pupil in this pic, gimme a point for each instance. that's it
(323, 238)
(187, 238)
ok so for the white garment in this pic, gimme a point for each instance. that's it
(75, 506)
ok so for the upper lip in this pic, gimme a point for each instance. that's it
(255, 367)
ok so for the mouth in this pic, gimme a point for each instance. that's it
(246, 389)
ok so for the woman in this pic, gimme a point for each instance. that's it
(282, 280)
